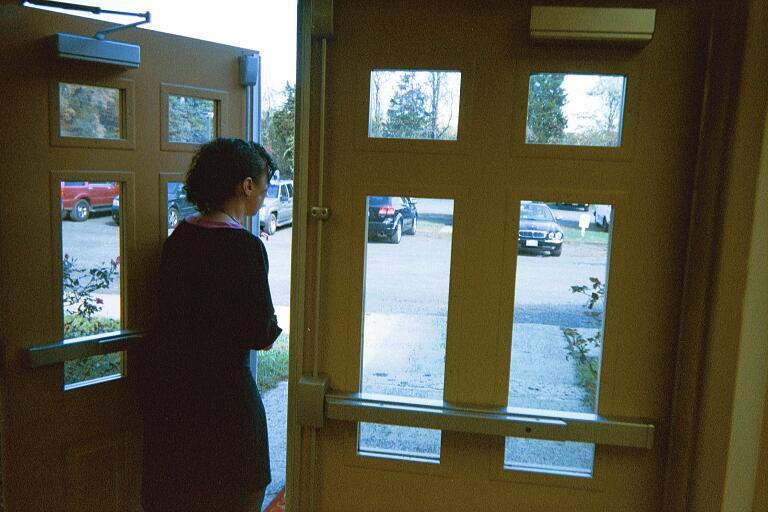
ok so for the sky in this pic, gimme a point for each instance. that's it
(267, 26)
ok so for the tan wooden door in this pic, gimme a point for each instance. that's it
(67, 123)
(459, 357)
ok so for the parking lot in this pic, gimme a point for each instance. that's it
(542, 288)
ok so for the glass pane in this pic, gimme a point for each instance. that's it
(575, 110)
(389, 441)
(561, 280)
(90, 237)
(412, 104)
(177, 206)
(407, 272)
(191, 120)
(89, 112)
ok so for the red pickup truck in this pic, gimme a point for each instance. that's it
(80, 198)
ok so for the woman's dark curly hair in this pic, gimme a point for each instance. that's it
(219, 165)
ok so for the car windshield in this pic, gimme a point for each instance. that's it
(272, 191)
(535, 212)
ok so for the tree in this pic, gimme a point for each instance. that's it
(439, 95)
(605, 121)
(278, 131)
(190, 119)
(546, 121)
(407, 116)
(376, 119)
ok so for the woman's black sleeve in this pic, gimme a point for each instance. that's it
(249, 319)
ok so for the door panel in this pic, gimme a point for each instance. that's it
(500, 316)
(80, 449)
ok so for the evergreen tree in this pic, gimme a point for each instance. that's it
(546, 121)
(278, 132)
(407, 116)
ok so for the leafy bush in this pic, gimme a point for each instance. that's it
(580, 346)
(273, 364)
(79, 283)
(80, 306)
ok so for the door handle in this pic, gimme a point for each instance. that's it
(318, 402)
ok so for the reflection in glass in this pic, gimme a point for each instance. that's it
(90, 237)
(409, 104)
(407, 272)
(191, 120)
(558, 323)
(575, 110)
(89, 112)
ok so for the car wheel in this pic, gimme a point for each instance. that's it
(271, 225)
(81, 211)
(556, 252)
(412, 231)
(173, 217)
(398, 234)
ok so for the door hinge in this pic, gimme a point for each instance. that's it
(320, 212)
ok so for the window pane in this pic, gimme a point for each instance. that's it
(177, 206)
(90, 237)
(89, 112)
(389, 441)
(191, 120)
(411, 104)
(561, 280)
(407, 272)
(576, 110)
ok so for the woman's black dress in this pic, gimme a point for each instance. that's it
(205, 432)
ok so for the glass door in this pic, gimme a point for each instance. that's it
(85, 211)
(494, 297)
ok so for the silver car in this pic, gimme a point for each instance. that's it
(277, 209)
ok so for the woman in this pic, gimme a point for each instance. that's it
(205, 440)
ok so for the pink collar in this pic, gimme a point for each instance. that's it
(198, 220)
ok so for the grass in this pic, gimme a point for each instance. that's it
(590, 236)
(273, 364)
(428, 227)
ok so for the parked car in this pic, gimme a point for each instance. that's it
(80, 198)
(602, 214)
(538, 230)
(578, 206)
(389, 217)
(277, 209)
(178, 206)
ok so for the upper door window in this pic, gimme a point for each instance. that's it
(191, 120)
(97, 114)
(414, 104)
(191, 116)
(575, 109)
(90, 112)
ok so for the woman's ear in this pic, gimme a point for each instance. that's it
(248, 186)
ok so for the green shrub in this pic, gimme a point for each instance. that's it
(580, 346)
(273, 364)
(78, 286)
